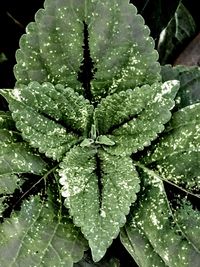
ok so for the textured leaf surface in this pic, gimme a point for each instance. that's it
(177, 154)
(36, 236)
(189, 77)
(158, 224)
(49, 117)
(189, 221)
(120, 46)
(15, 156)
(99, 189)
(139, 247)
(51, 49)
(136, 129)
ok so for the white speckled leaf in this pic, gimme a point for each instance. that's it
(143, 126)
(189, 78)
(120, 47)
(38, 236)
(15, 156)
(177, 154)
(51, 50)
(189, 221)
(119, 108)
(50, 118)
(157, 222)
(139, 247)
(99, 189)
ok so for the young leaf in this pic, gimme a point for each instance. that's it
(136, 129)
(176, 156)
(99, 189)
(154, 217)
(37, 236)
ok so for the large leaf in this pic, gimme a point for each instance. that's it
(120, 46)
(39, 236)
(51, 49)
(43, 112)
(177, 154)
(189, 77)
(99, 189)
(154, 219)
(134, 128)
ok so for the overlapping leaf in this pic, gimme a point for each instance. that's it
(133, 118)
(177, 154)
(39, 236)
(15, 156)
(139, 247)
(154, 219)
(189, 78)
(50, 118)
(121, 49)
(99, 189)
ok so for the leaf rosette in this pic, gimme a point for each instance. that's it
(89, 95)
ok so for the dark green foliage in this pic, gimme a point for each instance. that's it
(98, 121)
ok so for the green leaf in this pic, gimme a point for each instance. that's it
(139, 247)
(154, 218)
(189, 78)
(120, 47)
(50, 118)
(135, 127)
(51, 49)
(39, 236)
(179, 30)
(189, 221)
(176, 156)
(99, 189)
